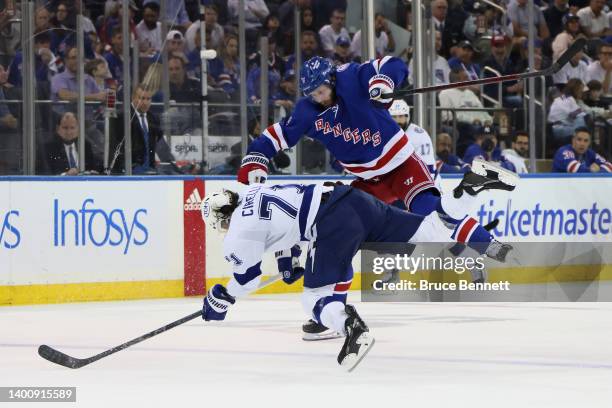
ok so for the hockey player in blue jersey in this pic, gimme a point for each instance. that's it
(344, 109)
(273, 218)
(577, 157)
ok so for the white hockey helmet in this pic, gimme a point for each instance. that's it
(217, 209)
(399, 107)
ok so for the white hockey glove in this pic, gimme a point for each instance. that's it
(378, 86)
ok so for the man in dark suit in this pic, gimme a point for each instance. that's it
(146, 132)
(60, 156)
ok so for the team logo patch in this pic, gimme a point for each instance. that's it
(342, 67)
(409, 181)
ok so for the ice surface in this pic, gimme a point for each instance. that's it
(426, 355)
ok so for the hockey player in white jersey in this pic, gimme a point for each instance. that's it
(417, 136)
(336, 220)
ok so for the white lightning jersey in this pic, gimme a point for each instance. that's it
(421, 141)
(268, 219)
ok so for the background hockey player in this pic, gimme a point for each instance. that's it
(577, 157)
(273, 218)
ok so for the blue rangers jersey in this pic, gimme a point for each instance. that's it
(566, 160)
(267, 219)
(364, 139)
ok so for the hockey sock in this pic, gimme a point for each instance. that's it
(425, 203)
(333, 316)
(470, 232)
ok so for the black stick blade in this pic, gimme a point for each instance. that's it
(57, 357)
(577, 46)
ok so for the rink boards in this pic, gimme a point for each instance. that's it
(82, 239)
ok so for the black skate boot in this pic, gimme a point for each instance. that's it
(486, 176)
(358, 340)
(498, 250)
(313, 331)
(479, 274)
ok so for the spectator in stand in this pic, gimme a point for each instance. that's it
(175, 12)
(175, 43)
(271, 29)
(330, 32)
(10, 31)
(274, 59)
(182, 88)
(463, 60)
(519, 15)
(592, 96)
(468, 122)
(287, 93)
(342, 53)
(309, 47)
(64, 86)
(441, 69)
(255, 12)
(384, 43)
(554, 15)
(98, 70)
(594, 106)
(253, 82)
(594, 21)
(485, 147)
(519, 151)
(483, 23)
(60, 156)
(42, 23)
(45, 66)
(446, 162)
(149, 31)
(214, 31)
(564, 39)
(307, 24)
(225, 69)
(8, 122)
(114, 17)
(512, 91)
(64, 18)
(575, 68)
(565, 114)
(114, 57)
(577, 157)
(601, 70)
(146, 132)
(449, 21)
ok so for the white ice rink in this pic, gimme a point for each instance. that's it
(426, 355)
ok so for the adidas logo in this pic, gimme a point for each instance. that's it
(193, 202)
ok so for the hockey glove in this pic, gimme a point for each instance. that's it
(289, 264)
(253, 169)
(216, 303)
(377, 86)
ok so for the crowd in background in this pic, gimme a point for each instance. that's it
(470, 35)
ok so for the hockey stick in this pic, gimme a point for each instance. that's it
(553, 69)
(57, 357)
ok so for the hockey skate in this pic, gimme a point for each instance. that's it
(486, 176)
(358, 340)
(479, 274)
(498, 250)
(313, 331)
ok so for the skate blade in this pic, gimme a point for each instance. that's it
(351, 361)
(506, 176)
(321, 336)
